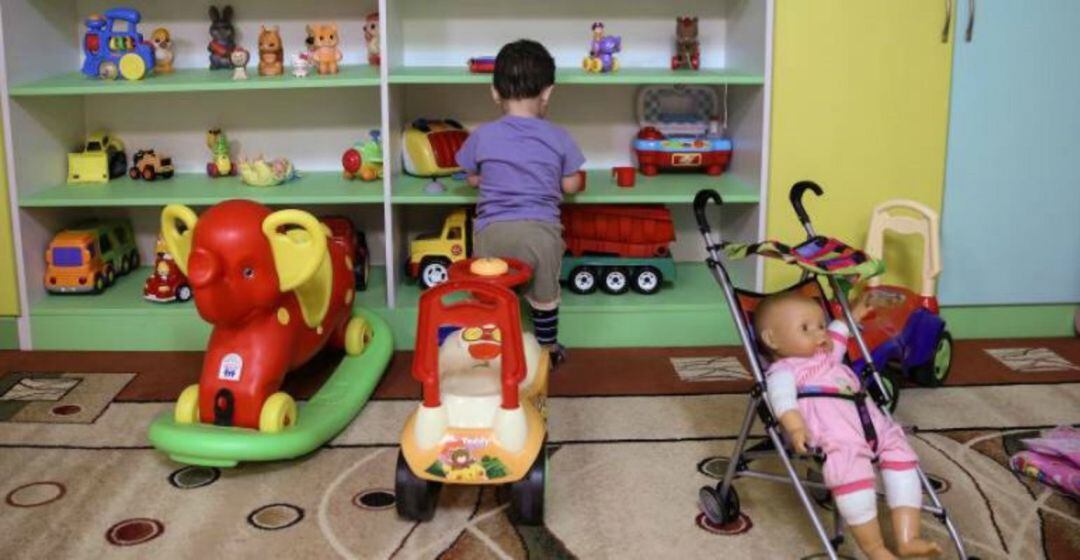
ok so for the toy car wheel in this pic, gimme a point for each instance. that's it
(133, 173)
(719, 512)
(934, 372)
(415, 497)
(527, 494)
(166, 174)
(582, 280)
(616, 281)
(646, 280)
(434, 271)
(135, 260)
(110, 276)
(149, 174)
(117, 164)
(125, 265)
(99, 284)
(108, 71)
(278, 413)
(357, 336)
(183, 293)
(187, 406)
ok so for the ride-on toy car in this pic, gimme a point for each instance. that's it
(483, 415)
(905, 333)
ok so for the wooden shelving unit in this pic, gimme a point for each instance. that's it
(48, 108)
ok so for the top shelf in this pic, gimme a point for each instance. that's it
(193, 80)
(632, 76)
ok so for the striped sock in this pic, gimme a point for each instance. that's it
(546, 325)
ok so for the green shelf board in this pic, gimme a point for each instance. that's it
(665, 188)
(461, 75)
(197, 189)
(193, 80)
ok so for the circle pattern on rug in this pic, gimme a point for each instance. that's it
(737, 527)
(713, 467)
(824, 555)
(35, 494)
(375, 499)
(274, 517)
(190, 477)
(130, 532)
(940, 484)
(65, 409)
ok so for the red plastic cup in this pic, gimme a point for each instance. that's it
(624, 176)
(583, 175)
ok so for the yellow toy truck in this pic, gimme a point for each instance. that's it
(101, 159)
(431, 254)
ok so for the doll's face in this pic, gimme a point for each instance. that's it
(795, 328)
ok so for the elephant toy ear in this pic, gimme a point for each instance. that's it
(298, 242)
(178, 242)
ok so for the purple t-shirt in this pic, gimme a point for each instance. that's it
(521, 162)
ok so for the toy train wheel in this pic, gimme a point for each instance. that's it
(183, 293)
(616, 281)
(132, 67)
(415, 497)
(434, 271)
(98, 283)
(582, 280)
(527, 494)
(719, 511)
(187, 406)
(108, 71)
(646, 280)
(278, 413)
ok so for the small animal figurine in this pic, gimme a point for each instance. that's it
(222, 37)
(371, 38)
(301, 64)
(687, 48)
(221, 163)
(163, 50)
(271, 53)
(602, 51)
(239, 59)
(325, 52)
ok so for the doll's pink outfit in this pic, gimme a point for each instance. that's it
(834, 424)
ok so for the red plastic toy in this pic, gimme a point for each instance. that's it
(626, 231)
(482, 65)
(167, 283)
(276, 289)
(680, 130)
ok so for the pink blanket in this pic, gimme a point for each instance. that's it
(1053, 459)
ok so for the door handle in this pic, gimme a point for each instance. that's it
(971, 21)
(948, 21)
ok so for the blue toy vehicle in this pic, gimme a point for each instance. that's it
(114, 47)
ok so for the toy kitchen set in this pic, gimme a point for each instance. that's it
(680, 130)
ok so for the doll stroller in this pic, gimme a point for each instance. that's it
(842, 266)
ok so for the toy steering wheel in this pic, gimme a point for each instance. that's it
(501, 272)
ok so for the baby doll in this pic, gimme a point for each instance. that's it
(817, 400)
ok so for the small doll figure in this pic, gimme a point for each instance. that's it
(301, 65)
(271, 53)
(222, 37)
(371, 38)
(602, 51)
(239, 59)
(325, 54)
(820, 403)
(163, 50)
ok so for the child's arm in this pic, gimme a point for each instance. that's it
(473, 180)
(573, 159)
(466, 159)
(783, 397)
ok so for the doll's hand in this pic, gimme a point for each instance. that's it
(798, 440)
(795, 427)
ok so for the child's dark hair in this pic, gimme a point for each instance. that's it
(523, 69)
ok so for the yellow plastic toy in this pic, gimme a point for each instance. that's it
(430, 255)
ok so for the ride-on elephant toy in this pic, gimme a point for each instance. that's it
(276, 292)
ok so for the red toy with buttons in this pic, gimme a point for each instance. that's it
(680, 130)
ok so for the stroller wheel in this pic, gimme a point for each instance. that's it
(719, 512)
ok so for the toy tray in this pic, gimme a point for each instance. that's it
(677, 110)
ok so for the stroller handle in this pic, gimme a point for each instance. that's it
(796, 195)
(701, 199)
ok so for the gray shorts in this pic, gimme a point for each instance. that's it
(539, 244)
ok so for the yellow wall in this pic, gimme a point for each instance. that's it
(860, 105)
(9, 293)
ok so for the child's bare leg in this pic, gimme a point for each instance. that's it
(906, 528)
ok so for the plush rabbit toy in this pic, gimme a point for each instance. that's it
(222, 38)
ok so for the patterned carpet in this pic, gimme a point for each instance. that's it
(80, 480)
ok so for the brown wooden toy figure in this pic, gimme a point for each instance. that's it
(271, 53)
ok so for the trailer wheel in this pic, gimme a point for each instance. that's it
(646, 280)
(616, 281)
(582, 280)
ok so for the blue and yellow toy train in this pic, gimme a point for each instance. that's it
(114, 47)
